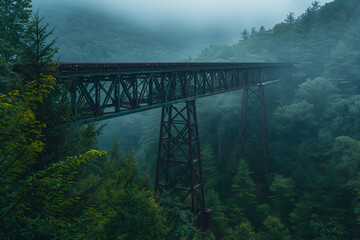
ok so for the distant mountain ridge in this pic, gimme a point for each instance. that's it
(89, 35)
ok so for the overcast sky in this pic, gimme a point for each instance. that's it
(226, 16)
(199, 12)
(222, 12)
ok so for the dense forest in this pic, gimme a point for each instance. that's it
(87, 34)
(55, 183)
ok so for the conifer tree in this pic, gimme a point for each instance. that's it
(209, 168)
(243, 198)
(274, 230)
(14, 16)
(282, 198)
(244, 231)
(218, 220)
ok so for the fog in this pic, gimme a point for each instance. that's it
(192, 26)
(208, 12)
(227, 17)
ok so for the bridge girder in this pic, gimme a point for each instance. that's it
(107, 94)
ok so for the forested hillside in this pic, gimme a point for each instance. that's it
(87, 34)
(56, 184)
(313, 189)
(314, 186)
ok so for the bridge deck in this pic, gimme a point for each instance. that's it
(105, 90)
(138, 67)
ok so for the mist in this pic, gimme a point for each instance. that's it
(213, 21)
(274, 160)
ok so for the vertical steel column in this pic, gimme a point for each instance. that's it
(253, 132)
(117, 94)
(179, 164)
(134, 86)
(73, 96)
(265, 132)
(97, 97)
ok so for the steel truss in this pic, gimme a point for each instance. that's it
(179, 163)
(99, 94)
(253, 140)
(105, 90)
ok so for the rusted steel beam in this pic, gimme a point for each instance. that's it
(107, 90)
(178, 168)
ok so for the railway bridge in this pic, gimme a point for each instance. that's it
(99, 91)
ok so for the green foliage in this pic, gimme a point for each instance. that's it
(244, 199)
(357, 207)
(282, 197)
(322, 86)
(38, 48)
(314, 127)
(209, 167)
(20, 131)
(290, 18)
(245, 35)
(179, 219)
(297, 115)
(242, 232)
(14, 16)
(330, 229)
(274, 230)
(112, 186)
(8, 78)
(36, 203)
(205, 235)
(45, 193)
(346, 152)
(218, 222)
(313, 122)
(86, 34)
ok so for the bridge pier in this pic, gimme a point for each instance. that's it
(179, 163)
(253, 132)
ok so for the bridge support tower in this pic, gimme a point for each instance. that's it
(253, 140)
(179, 163)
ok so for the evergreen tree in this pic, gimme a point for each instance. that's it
(35, 204)
(14, 15)
(290, 18)
(282, 198)
(38, 49)
(274, 230)
(243, 190)
(179, 220)
(244, 231)
(209, 168)
(245, 35)
(218, 222)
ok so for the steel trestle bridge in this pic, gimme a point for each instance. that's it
(99, 91)
(106, 90)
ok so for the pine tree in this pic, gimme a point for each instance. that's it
(244, 231)
(290, 18)
(245, 35)
(209, 168)
(282, 198)
(243, 198)
(274, 230)
(14, 15)
(218, 221)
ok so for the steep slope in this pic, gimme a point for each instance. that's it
(88, 35)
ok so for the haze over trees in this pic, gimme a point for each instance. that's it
(56, 184)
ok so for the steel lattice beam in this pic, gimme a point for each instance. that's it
(179, 163)
(101, 91)
(253, 132)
